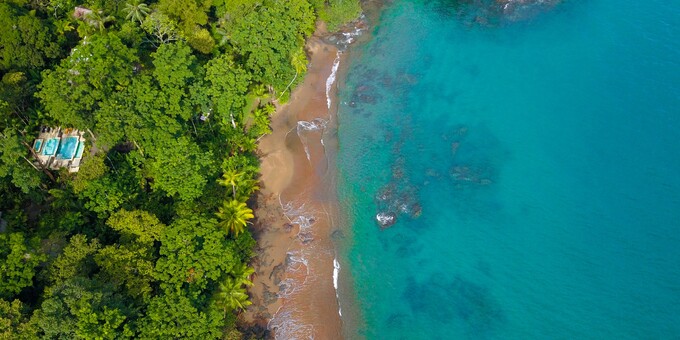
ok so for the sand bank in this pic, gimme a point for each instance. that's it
(293, 294)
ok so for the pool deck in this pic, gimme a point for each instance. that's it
(53, 158)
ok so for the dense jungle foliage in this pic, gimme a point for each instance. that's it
(149, 239)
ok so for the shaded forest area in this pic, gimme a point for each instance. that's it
(149, 239)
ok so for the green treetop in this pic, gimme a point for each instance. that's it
(18, 261)
(95, 69)
(26, 40)
(194, 252)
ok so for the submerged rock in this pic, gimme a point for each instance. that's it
(337, 234)
(386, 219)
(287, 227)
(385, 194)
(416, 210)
(306, 237)
(524, 9)
(366, 94)
(493, 12)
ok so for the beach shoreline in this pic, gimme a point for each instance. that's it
(300, 289)
(293, 294)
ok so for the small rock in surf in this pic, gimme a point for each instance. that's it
(386, 219)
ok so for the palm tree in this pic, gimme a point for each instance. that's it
(270, 109)
(136, 12)
(246, 188)
(299, 61)
(231, 177)
(248, 144)
(98, 20)
(223, 34)
(232, 295)
(234, 216)
(241, 272)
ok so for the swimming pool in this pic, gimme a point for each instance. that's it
(68, 146)
(37, 145)
(79, 151)
(50, 146)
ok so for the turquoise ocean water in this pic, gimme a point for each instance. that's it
(543, 159)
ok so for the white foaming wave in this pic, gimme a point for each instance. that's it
(287, 288)
(299, 215)
(297, 260)
(284, 323)
(331, 79)
(349, 37)
(316, 124)
(285, 326)
(297, 263)
(336, 274)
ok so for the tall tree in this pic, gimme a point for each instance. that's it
(14, 163)
(76, 259)
(162, 28)
(13, 321)
(194, 252)
(267, 43)
(77, 87)
(173, 316)
(231, 178)
(136, 227)
(234, 216)
(18, 262)
(136, 12)
(80, 308)
(128, 266)
(179, 168)
(98, 20)
(241, 274)
(130, 263)
(174, 67)
(232, 295)
(298, 59)
(228, 84)
(188, 13)
(27, 42)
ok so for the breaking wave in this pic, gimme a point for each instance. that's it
(331, 79)
(304, 127)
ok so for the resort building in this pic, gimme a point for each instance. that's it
(56, 148)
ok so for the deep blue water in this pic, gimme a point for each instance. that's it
(545, 156)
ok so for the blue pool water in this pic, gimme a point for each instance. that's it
(68, 147)
(79, 151)
(37, 145)
(533, 168)
(50, 146)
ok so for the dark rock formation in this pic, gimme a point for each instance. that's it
(493, 12)
(386, 219)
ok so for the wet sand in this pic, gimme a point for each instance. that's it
(293, 294)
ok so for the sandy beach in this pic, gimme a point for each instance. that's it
(293, 294)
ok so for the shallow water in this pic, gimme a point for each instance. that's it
(532, 167)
